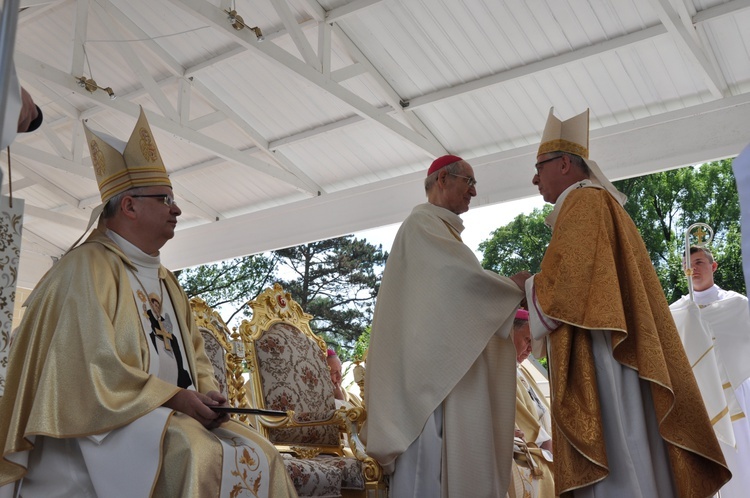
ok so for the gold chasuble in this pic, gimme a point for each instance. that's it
(596, 275)
(79, 367)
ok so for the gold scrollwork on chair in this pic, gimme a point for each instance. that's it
(226, 351)
(289, 372)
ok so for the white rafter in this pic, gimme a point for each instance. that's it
(689, 43)
(260, 141)
(79, 38)
(298, 37)
(139, 69)
(217, 19)
(44, 71)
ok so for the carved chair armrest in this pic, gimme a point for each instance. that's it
(305, 419)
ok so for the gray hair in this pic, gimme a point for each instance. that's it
(113, 204)
(579, 162)
(454, 168)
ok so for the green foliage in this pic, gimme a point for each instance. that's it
(336, 281)
(662, 205)
(362, 344)
(231, 284)
(518, 245)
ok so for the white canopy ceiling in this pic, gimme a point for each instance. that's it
(326, 126)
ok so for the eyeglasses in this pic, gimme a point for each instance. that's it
(166, 199)
(545, 161)
(470, 181)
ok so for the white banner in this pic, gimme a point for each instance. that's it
(11, 220)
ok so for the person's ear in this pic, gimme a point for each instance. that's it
(565, 165)
(127, 206)
(714, 266)
(441, 177)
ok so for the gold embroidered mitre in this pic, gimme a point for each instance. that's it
(571, 135)
(121, 166)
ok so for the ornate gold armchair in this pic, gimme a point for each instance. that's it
(226, 350)
(288, 368)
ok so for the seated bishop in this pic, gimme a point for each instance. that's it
(109, 390)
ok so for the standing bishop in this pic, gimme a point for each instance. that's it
(628, 419)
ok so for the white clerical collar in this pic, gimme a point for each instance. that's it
(134, 254)
(708, 296)
(552, 217)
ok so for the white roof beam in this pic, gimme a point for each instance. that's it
(535, 67)
(216, 18)
(316, 10)
(255, 136)
(299, 39)
(79, 38)
(197, 205)
(392, 97)
(324, 47)
(47, 184)
(350, 9)
(183, 102)
(689, 43)
(207, 120)
(209, 63)
(56, 143)
(52, 160)
(55, 217)
(135, 63)
(52, 250)
(33, 8)
(18, 185)
(174, 66)
(65, 80)
(724, 9)
(728, 8)
(348, 72)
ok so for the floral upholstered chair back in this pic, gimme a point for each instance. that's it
(225, 353)
(288, 366)
(215, 341)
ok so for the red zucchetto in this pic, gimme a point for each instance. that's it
(442, 162)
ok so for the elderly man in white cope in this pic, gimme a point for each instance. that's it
(440, 380)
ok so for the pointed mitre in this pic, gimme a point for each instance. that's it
(120, 166)
(572, 136)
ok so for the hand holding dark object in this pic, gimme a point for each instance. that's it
(198, 406)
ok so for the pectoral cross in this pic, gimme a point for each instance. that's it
(165, 336)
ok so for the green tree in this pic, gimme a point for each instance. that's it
(519, 245)
(336, 281)
(662, 205)
(230, 285)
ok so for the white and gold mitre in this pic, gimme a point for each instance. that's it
(120, 166)
(571, 135)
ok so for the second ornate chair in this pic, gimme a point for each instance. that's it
(289, 373)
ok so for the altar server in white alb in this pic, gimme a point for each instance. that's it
(109, 390)
(725, 316)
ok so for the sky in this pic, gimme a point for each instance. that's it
(479, 223)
